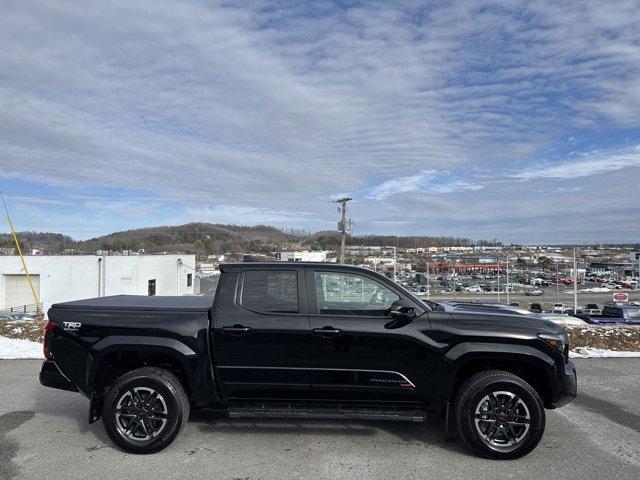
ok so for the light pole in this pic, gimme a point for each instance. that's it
(507, 279)
(498, 281)
(557, 286)
(575, 282)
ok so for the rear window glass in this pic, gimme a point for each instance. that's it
(270, 292)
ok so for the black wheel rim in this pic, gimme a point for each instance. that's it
(141, 414)
(502, 420)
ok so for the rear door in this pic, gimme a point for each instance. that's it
(355, 355)
(261, 334)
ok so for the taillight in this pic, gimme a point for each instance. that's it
(47, 326)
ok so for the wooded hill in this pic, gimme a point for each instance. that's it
(210, 238)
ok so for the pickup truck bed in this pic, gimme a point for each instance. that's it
(140, 302)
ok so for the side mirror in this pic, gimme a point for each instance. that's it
(402, 312)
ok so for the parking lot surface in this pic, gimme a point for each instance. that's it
(44, 434)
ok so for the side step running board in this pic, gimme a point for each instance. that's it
(350, 412)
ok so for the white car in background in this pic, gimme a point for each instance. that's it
(473, 288)
(557, 308)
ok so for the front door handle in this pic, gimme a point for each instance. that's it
(236, 330)
(327, 332)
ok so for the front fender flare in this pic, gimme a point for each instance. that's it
(463, 353)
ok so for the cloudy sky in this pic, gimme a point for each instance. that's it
(516, 120)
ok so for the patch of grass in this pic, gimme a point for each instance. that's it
(623, 338)
(24, 329)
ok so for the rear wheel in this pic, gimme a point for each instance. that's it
(499, 415)
(145, 410)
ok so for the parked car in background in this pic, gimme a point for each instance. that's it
(534, 293)
(615, 314)
(474, 288)
(557, 308)
(536, 308)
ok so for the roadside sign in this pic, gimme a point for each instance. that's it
(620, 297)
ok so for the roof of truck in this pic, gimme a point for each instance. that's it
(225, 267)
(125, 302)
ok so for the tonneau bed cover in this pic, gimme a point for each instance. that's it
(141, 302)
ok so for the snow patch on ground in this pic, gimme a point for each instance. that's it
(13, 348)
(592, 352)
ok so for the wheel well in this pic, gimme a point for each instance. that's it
(116, 364)
(535, 375)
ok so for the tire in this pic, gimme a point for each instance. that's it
(499, 415)
(144, 410)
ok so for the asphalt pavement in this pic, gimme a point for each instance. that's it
(44, 435)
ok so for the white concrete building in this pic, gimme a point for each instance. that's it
(319, 256)
(64, 278)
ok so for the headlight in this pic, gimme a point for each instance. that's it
(557, 340)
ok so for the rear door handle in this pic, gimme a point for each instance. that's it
(327, 332)
(236, 330)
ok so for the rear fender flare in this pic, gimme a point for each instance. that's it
(134, 343)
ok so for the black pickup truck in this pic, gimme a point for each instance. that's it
(307, 340)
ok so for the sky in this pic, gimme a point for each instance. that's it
(515, 120)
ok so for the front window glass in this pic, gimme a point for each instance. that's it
(349, 294)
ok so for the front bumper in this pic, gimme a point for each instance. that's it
(567, 385)
(51, 376)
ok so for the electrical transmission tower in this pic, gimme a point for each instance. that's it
(344, 224)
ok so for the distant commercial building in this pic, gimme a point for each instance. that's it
(362, 250)
(65, 278)
(319, 256)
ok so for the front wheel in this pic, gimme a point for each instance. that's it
(144, 410)
(499, 415)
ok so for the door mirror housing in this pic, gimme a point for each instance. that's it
(402, 313)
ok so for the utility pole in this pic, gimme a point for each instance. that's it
(428, 282)
(344, 224)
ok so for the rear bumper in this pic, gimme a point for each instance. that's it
(51, 376)
(567, 385)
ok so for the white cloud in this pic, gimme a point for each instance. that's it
(238, 215)
(597, 163)
(406, 184)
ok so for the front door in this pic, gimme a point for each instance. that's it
(355, 355)
(261, 336)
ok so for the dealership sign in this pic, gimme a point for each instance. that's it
(620, 297)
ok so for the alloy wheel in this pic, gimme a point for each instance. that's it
(502, 420)
(141, 414)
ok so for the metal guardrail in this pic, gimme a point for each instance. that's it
(30, 310)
